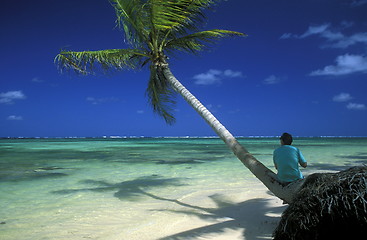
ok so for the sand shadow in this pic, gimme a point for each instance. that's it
(324, 167)
(357, 158)
(130, 190)
(29, 175)
(351, 160)
(227, 215)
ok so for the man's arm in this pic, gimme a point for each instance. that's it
(302, 161)
(275, 165)
(303, 164)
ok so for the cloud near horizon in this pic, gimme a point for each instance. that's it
(334, 38)
(14, 118)
(312, 30)
(214, 76)
(37, 80)
(356, 106)
(272, 79)
(342, 97)
(345, 64)
(346, 97)
(358, 3)
(95, 101)
(10, 96)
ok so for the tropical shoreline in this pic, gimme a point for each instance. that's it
(148, 188)
(179, 137)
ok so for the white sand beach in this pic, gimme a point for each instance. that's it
(249, 213)
(223, 215)
(244, 212)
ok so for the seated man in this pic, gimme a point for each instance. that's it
(286, 159)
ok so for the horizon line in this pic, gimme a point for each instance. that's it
(181, 137)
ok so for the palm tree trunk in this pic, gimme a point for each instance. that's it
(264, 174)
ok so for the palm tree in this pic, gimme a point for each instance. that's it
(155, 29)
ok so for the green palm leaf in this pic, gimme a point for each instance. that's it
(198, 41)
(141, 19)
(168, 15)
(133, 19)
(106, 59)
(161, 96)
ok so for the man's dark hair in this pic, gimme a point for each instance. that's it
(287, 138)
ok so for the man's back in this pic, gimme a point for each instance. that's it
(286, 159)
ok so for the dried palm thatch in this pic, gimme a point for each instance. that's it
(328, 206)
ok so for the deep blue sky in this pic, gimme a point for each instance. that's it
(302, 69)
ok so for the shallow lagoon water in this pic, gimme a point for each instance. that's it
(126, 188)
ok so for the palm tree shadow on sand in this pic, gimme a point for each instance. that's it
(126, 190)
(256, 218)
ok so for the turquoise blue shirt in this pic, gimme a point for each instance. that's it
(287, 158)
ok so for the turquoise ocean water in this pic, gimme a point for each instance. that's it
(112, 188)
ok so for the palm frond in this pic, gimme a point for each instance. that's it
(141, 18)
(160, 94)
(132, 17)
(117, 59)
(195, 42)
(179, 15)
